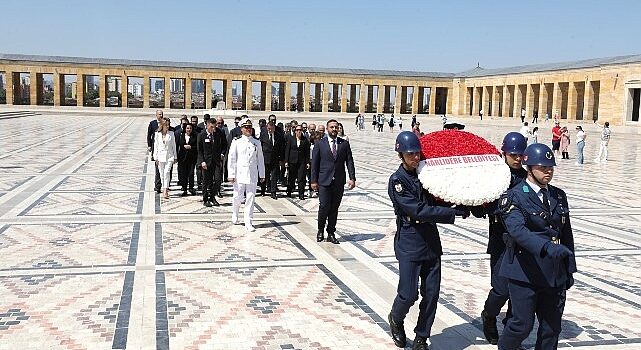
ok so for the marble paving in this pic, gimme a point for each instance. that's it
(92, 258)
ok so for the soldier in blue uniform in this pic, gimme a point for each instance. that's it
(513, 147)
(539, 256)
(417, 245)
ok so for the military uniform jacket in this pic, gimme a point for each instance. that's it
(246, 163)
(529, 228)
(495, 244)
(417, 237)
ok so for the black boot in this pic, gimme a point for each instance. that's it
(398, 332)
(420, 343)
(320, 236)
(489, 328)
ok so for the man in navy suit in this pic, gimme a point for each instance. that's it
(330, 156)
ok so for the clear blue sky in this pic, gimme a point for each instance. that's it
(442, 36)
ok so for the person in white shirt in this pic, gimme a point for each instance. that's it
(580, 144)
(525, 131)
(164, 154)
(605, 140)
(246, 168)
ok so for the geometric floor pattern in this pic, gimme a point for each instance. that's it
(92, 258)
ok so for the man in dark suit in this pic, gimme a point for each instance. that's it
(297, 161)
(330, 156)
(151, 132)
(273, 144)
(211, 150)
(187, 155)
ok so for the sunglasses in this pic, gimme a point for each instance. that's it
(299, 129)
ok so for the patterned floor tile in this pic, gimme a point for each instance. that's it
(101, 183)
(93, 203)
(62, 311)
(267, 308)
(192, 242)
(68, 245)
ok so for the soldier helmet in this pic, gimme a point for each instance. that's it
(538, 154)
(406, 142)
(514, 143)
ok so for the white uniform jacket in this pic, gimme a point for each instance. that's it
(245, 162)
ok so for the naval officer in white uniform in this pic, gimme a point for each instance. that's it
(246, 167)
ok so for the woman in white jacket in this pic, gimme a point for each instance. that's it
(164, 154)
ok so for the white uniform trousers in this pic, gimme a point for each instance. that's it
(247, 191)
(603, 152)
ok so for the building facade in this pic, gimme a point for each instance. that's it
(606, 89)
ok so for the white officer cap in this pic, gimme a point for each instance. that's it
(245, 122)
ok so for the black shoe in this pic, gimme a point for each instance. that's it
(301, 197)
(420, 343)
(157, 190)
(184, 194)
(214, 202)
(262, 193)
(398, 332)
(192, 192)
(220, 194)
(332, 239)
(489, 328)
(289, 194)
(274, 196)
(208, 204)
(320, 236)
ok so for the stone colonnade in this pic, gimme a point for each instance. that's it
(167, 87)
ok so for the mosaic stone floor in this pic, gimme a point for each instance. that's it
(92, 258)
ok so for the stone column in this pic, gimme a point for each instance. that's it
(415, 91)
(556, 101)
(344, 89)
(102, 90)
(267, 92)
(146, 88)
(80, 89)
(124, 90)
(306, 90)
(572, 101)
(324, 96)
(287, 101)
(518, 99)
(495, 101)
(543, 100)
(380, 100)
(188, 92)
(167, 91)
(505, 112)
(228, 94)
(397, 99)
(529, 101)
(208, 93)
(588, 101)
(485, 102)
(249, 93)
(33, 88)
(362, 99)
(8, 76)
(475, 101)
(57, 91)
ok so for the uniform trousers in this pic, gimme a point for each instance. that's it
(248, 192)
(547, 303)
(603, 151)
(499, 294)
(330, 199)
(429, 273)
(164, 170)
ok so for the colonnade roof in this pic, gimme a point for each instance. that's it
(533, 68)
(220, 66)
(476, 72)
